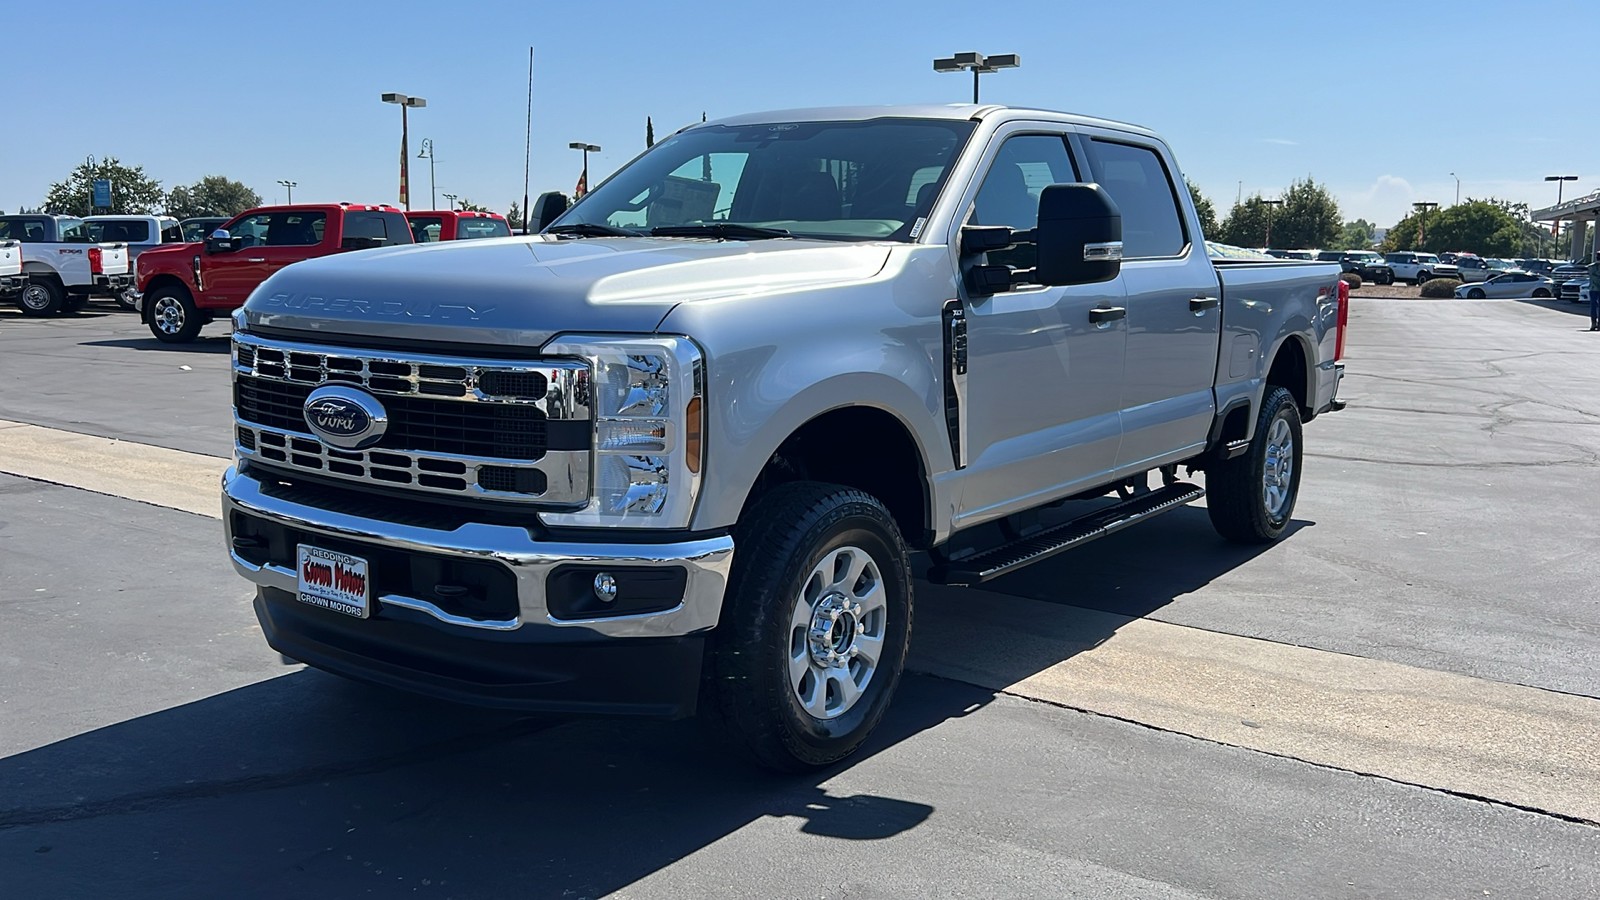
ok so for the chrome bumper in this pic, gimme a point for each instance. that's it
(531, 562)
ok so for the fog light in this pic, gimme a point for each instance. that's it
(605, 587)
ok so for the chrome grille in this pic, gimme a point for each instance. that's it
(500, 429)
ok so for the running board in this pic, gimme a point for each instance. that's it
(1003, 560)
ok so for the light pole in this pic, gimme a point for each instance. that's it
(427, 153)
(978, 63)
(452, 199)
(405, 103)
(289, 186)
(1458, 187)
(1423, 208)
(1270, 204)
(587, 149)
(1561, 182)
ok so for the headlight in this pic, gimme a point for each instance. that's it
(239, 320)
(646, 396)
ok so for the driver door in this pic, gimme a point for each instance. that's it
(229, 277)
(1042, 413)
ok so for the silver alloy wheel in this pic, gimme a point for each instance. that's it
(1277, 470)
(168, 315)
(836, 632)
(36, 297)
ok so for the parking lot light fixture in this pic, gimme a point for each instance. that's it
(1423, 207)
(405, 103)
(587, 149)
(1270, 204)
(289, 186)
(1561, 182)
(452, 199)
(978, 64)
(1458, 187)
(433, 185)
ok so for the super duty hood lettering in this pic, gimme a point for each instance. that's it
(385, 309)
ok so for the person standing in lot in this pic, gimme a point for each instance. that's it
(1594, 293)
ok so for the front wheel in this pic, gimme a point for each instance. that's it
(815, 628)
(1542, 294)
(173, 316)
(1251, 497)
(1475, 294)
(42, 298)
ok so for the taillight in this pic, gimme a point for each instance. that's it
(96, 265)
(1344, 319)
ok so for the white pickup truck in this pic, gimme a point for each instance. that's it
(140, 233)
(62, 267)
(11, 279)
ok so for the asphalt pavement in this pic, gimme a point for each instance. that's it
(151, 745)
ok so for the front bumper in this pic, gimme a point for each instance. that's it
(516, 654)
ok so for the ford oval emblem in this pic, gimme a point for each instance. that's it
(345, 417)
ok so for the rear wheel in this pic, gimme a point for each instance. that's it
(815, 628)
(173, 317)
(1542, 293)
(125, 299)
(1251, 497)
(42, 298)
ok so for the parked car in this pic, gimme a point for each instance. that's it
(1471, 269)
(11, 277)
(181, 288)
(444, 486)
(140, 233)
(63, 267)
(455, 225)
(1365, 263)
(1571, 277)
(1415, 268)
(196, 229)
(1509, 284)
(1289, 254)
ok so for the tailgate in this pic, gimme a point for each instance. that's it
(10, 257)
(114, 259)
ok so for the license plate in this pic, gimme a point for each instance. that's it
(336, 581)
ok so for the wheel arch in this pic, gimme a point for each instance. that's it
(157, 283)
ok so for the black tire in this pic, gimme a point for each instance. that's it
(124, 300)
(1422, 277)
(1475, 294)
(748, 697)
(173, 316)
(42, 297)
(1541, 293)
(1235, 488)
(76, 302)
(1387, 279)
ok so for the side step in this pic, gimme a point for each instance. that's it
(1003, 560)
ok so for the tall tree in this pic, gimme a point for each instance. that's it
(212, 195)
(649, 133)
(1355, 235)
(1486, 227)
(132, 191)
(1308, 218)
(514, 216)
(1246, 225)
(1204, 209)
(466, 205)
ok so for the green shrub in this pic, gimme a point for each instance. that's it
(1440, 287)
(1351, 279)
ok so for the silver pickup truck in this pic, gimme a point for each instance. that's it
(675, 452)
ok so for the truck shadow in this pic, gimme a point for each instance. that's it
(1566, 306)
(308, 784)
(221, 343)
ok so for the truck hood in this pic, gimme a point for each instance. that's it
(521, 291)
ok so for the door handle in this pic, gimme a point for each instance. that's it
(1103, 314)
(256, 259)
(1201, 304)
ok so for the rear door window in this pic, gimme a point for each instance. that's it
(295, 229)
(130, 232)
(426, 229)
(385, 227)
(481, 228)
(1138, 181)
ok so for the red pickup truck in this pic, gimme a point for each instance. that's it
(456, 225)
(183, 287)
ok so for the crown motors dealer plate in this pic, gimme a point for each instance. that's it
(336, 581)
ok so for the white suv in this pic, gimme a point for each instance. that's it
(1415, 268)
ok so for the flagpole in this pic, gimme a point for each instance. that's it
(527, 146)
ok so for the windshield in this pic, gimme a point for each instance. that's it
(132, 231)
(871, 180)
(1364, 256)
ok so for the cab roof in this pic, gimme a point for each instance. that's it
(949, 112)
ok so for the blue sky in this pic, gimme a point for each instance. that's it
(1380, 101)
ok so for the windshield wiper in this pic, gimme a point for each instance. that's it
(727, 231)
(592, 229)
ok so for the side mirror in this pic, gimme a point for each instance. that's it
(547, 209)
(1079, 236)
(221, 241)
